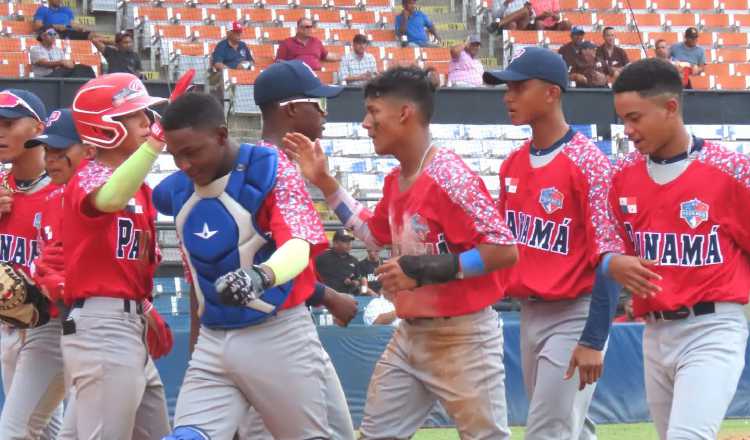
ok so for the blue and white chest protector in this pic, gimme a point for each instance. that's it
(217, 227)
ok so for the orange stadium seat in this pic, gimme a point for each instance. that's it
(578, 18)
(309, 3)
(732, 39)
(11, 44)
(600, 5)
(381, 35)
(742, 69)
(523, 37)
(440, 67)
(701, 82)
(612, 19)
(669, 37)
(189, 49)
(735, 5)
(12, 70)
(338, 50)
(256, 15)
(361, 17)
(263, 51)
(717, 69)
(377, 3)
(187, 14)
(25, 9)
(344, 34)
(681, 19)
(172, 30)
(326, 77)
(556, 37)
(409, 54)
(326, 16)
(700, 5)
(435, 54)
(241, 76)
(629, 38)
(4, 9)
(732, 55)
(648, 20)
(149, 13)
(223, 14)
(276, 33)
(80, 46)
(732, 82)
(569, 5)
(15, 57)
(634, 54)
(93, 60)
(330, 66)
(667, 4)
(596, 38)
(741, 20)
(342, 3)
(377, 52)
(633, 4)
(389, 17)
(207, 32)
(291, 15)
(705, 39)
(17, 27)
(714, 20)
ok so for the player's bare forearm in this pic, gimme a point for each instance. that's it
(497, 256)
(385, 318)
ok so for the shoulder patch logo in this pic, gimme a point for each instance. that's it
(694, 212)
(551, 199)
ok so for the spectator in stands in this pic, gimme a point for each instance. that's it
(571, 52)
(414, 25)
(232, 52)
(120, 57)
(358, 66)
(368, 282)
(661, 50)
(546, 16)
(611, 57)
(305, 47)
(465, 68)
(381, 311)
(336, 267)
(511, 15)
(61, 19)
(590, 73)
(48, 60)
(688, 53)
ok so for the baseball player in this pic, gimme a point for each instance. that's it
(680, 203)
(447, 242)
(554, 191)
(249, 230)
(32, 370)
(109, 243)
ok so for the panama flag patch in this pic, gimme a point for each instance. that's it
(628, 205)
(511, 185)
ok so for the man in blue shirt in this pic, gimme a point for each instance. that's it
(689, 52)
(60, 18)
(231, 52)
(412, 24)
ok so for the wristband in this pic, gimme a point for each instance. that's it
(472, 264)
(316, 299)
(605, 262)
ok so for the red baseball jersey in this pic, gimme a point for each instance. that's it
(19, 233)
(560, 217)
(446, 210)
(107, 254)
(50, 228)
(698, 233)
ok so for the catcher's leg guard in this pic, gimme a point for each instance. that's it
(187, 433)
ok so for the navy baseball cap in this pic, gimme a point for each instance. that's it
(531, 63)
(290, 79)
(17, 103)
(577, 30)
(59, 132)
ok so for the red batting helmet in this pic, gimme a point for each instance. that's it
(101, 100)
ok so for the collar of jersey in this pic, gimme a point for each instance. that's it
(696, 145)
(560, 142)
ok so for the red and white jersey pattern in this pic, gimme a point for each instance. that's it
(560, 217)
(50, 229)
(697, 233)
(19, 229)
(107, 254)
(446, 210)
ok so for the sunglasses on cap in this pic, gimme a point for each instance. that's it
(9, 100)
(322, 103)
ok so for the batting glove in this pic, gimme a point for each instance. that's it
(242, 286)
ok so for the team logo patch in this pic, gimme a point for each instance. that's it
(694, 212)
(134, 90)
(54, 116)
(419, 226)
(517, 54)
(628, 205)
(551, 199)
(511, 185)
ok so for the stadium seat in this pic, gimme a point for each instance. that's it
(18, 58)
(257, 15)
(326, 16)
(274, 33)
(435, 53)
(741, 68)
(93, 60)
(669, 37)
(599, 5)
(327, 77)
(11, 44)
(12, 27)
(730, 55)
(741, 20)
(147, 13)
(700, 5)
(714, 21)
(182, 15)
(523, 37)
(239, 76)
(569, 5)
(381, 35)
(630, 38)
(171, 30)
(188, 49)
(361, 17)
(345, 35)
(292, 15)
(25, 9)
(612, 19)
(717, 69)
(735, 5)
(703, 82)
(647, 20)
(725, 39)
(681, 20)
(667, 4)
(223, 14)
(578, 18)
(206, 32)
(733, 82)
(79, 46)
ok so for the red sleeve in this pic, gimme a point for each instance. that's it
(594, 190)
(288, 211)
(282, 53)
(323, 51)
(471, 215)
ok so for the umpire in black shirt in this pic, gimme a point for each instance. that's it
(336, 267)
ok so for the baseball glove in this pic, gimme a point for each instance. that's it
(21, 303)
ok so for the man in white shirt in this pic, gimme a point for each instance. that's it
(381, 311)
(358, 66)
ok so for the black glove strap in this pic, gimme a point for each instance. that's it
(430, 269)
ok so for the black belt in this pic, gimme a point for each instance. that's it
(701, 308)
(78, 304)
(436, 318)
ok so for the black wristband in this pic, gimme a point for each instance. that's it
(430, 269)
(316, 299)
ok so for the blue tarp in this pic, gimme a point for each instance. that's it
(619, 396)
